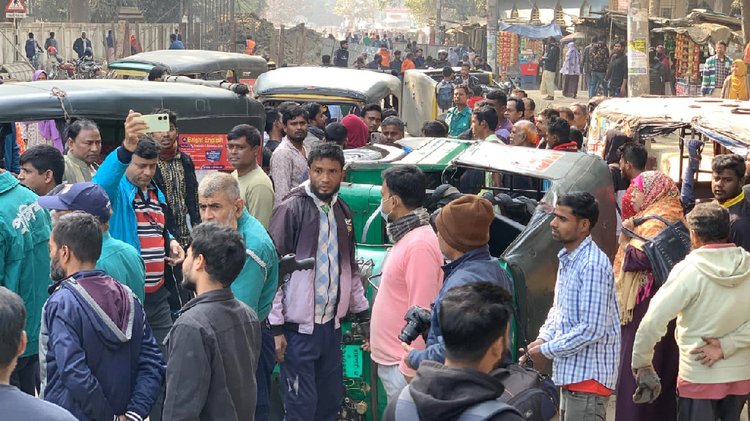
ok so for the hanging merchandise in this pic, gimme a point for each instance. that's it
(687, 57)
(507, 49)
(533, 46)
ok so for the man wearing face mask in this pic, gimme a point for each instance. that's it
(313, 221)
(475, 342)
(411, 272)
(463, 231)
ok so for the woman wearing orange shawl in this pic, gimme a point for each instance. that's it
(651, 193)
(735, 85)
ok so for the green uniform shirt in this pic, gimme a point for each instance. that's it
(122, 262)
(458, 121)
(24, 252)
(256, 284)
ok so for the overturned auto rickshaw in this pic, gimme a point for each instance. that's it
(524, 246)
(667, 127)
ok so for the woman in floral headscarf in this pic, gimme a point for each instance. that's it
(651, 193)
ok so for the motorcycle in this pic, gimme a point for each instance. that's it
(507, 84)
(61, 69)
(87, 68)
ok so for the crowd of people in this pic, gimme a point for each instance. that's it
(605, 70)
(497, 117)
(412, 57)
(147, 263)
(130, 289)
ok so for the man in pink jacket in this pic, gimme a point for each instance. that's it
(412, 273)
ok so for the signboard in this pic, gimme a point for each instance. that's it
(208, 151)
(15, 9)
(15, 6)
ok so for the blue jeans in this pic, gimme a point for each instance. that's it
(687, 196)
(596, 80)
(159, 317)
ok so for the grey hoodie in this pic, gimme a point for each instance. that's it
(442, 393)
(708, 293)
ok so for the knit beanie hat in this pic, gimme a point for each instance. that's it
(465, 222)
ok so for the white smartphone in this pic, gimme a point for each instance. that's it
(156, 122)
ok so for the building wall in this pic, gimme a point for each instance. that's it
(152, 36)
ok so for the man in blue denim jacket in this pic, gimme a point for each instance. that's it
(463, 227)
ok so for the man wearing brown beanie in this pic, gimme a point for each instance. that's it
(463, 227)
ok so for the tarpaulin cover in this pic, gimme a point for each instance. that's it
(533, 31)
(724, 121)
(700, 33)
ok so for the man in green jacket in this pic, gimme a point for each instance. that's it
(219, 200)
(24, 253)
(118, 259)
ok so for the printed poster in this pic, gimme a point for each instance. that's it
(208, 151)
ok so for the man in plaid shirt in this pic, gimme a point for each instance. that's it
(715, 71)
(582, 331)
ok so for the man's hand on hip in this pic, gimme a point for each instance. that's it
(710, 353)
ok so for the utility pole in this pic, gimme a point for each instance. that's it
(233, 46)
(745, 9)
(492, 18)
(638, 65)
(438, 22)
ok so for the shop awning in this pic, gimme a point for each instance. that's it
(700, 33)
(533, 31)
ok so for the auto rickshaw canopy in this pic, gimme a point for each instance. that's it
(193, 62)
(348, 84)
(107, 99)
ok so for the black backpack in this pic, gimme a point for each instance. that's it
(532, 394)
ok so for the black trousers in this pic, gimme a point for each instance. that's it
(26, 375)
(727, 409)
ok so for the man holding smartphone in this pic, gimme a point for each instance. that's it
(138, 219)
(175, 177)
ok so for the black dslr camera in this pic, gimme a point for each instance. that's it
(417, 323)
